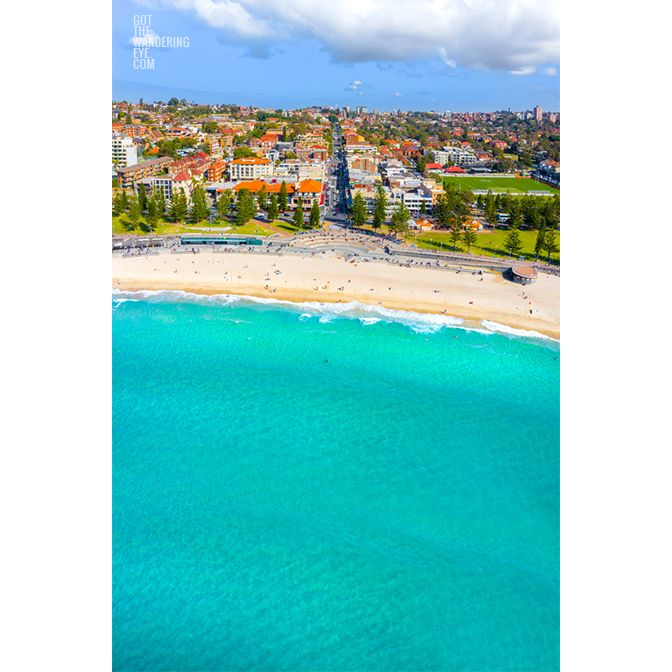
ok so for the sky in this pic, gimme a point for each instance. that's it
(443, 55)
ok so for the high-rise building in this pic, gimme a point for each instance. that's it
(124, 152)
(537, 114)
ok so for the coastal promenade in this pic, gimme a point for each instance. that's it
(334, 242)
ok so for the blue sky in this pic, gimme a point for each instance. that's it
(458, 55)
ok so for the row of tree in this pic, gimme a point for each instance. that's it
(241, 209)
(360, 214)
(532, 211)
(154, 208)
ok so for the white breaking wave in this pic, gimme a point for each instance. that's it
(418, 322)
(503, 329)
(423, 323)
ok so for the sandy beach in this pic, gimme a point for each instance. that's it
(297, 279)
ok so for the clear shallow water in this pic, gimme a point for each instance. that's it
(394, 508)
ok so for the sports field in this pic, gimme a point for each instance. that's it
(500, 185)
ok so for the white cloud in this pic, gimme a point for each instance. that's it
(508, 35)
(444, 57)
(357, 86)
(549, 72)
(523, 71)
(396, 95)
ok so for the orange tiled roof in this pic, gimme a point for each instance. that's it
(255, 185)
(310, 186)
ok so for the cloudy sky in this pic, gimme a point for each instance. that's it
(458, 55)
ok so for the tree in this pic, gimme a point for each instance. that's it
(400, 218)
(457, 219)
(314, 215)
(160, 199)
(200, 208)
(358, 212)
(243, 152)
(246, 208)
(124, 200)
(134, 211)
(442, 211)
(298, 213)
(379, 208)
(173, 101)
(513, 242)
(491, 211)
(177, 208)
(152, 212)
(551, 244)
(117, 204)
(423, 207)
(469, 236)
(223, 205)
(455, 233)
(282, 200)
(262, 197)
(273, 208)
(541, 240)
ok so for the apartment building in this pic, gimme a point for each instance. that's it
(365, 162)
(462, 156)
(133, 131)
(124, 152)
(249, 168)
(130, 174)
(215, 171)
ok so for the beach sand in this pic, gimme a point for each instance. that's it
(376, 283)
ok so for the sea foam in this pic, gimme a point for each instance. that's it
(424, 323)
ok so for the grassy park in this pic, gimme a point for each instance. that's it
(122, 225)
(488, 244)
(497, 184)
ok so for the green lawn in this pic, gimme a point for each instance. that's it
(519, 185)
(122, 224)
(251, 229)
(487, 244)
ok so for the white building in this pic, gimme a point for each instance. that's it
(458, 155)
(124, 152)
(249, 168)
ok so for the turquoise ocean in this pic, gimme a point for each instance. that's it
(320, 487)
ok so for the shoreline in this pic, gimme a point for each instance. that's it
(471, 298)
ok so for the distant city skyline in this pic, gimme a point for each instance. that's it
(301, 55)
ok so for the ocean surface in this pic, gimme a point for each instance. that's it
(310, 487)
